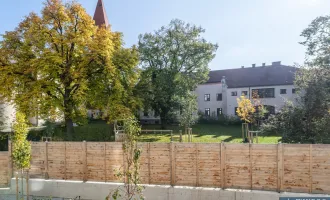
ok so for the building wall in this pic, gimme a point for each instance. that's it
(278, 101)
(229, 102)
(213, 104)
(7, 115)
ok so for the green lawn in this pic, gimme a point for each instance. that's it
(205, 133)
(100, 131)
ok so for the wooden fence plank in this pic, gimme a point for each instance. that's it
(46, 160)
(149, 176)
(10, 162)
(197, 169)
(310, 169)
(85, 161)
(250, 157)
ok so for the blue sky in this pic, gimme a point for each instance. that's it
(247, 31)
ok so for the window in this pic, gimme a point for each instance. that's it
(264, 93)
(294, 91)
(146, 113)
(283, 91)
(235, 110)
(234, 93)
(271, 110)
(245, 93)
(207, 112)
(219, 111)
(219, 97)
(206, 97)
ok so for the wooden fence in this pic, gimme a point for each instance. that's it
(274, 167)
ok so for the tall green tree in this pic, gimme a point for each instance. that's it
(175, 60)
(59, 63)
(309, 120)
(189, 109)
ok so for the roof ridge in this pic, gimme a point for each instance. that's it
(257, 67)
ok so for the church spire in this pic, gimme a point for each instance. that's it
(100, 16)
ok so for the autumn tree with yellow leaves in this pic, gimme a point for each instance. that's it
(245, 109)
(61, 63)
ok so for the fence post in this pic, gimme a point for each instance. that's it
(27, 185)
(250, 157)
(279, 166)
(46, 160)
(310, 168)
(223, 165)
(172, 161)
(105, 162)
(65, 175)
(17, 186)
(10, 162)
(197, 172)
(85, 161)
(149, 173)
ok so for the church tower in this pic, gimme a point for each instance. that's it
(100, 16)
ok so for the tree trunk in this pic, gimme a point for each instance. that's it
(69, 128)
(163, 120)
(68, 110)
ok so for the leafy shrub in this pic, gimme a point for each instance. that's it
(222, 119)
(95, 131)
(294, 125)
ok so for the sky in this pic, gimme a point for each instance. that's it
(247, 31)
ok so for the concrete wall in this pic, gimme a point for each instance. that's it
(99, 190)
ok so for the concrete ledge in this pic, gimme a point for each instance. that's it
(99, 190)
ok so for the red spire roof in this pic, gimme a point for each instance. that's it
(100, 16)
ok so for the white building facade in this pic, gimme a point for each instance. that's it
(274, 85)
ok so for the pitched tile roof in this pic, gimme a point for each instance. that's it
(255, 76)
(100, 16)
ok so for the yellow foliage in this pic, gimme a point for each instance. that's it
(60, 62)
(245, 109)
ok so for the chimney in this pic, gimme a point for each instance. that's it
(263, 64)
(277, 63)
(253, 65)
(242, 67)
(223, 81)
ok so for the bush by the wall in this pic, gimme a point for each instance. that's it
(222, 119)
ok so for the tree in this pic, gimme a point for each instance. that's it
(309, 120)
(175, 59)
(119, 97)
(21, 152)
(60, 63)
(189, 110)
(245, 109)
